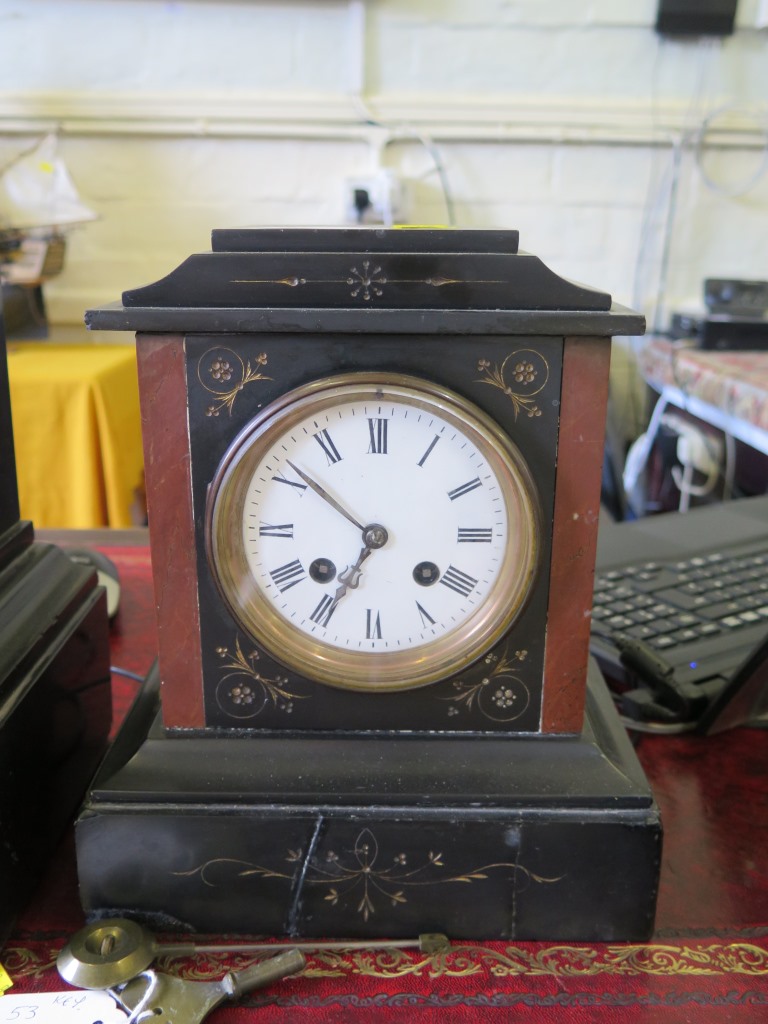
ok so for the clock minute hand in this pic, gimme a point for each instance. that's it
(321, 491)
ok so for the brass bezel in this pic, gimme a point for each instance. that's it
(358, 670)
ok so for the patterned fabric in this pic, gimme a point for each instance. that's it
(735, 382)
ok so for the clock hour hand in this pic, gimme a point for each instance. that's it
(321, 491)
(374, 536)
(350, 577)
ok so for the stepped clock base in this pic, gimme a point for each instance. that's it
(55, 704)
(537, 837)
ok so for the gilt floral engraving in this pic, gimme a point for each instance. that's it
(223, 373)
(521, 377)
(359, 878)
(500, 696)
(244, 691)
(366, 282)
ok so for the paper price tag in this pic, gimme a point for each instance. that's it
(61, 1008)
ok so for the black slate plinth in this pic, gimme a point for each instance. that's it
(332, 835)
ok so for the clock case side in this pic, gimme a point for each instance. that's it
(583, 405)
(165, 434)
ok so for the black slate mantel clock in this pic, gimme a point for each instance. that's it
(373, 464)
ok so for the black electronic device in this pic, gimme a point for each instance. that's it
(696, 17)
(736, 316)
(721, 332)
(724, 333)
(736, 296)
(681, 613)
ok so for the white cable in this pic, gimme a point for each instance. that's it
(357, 90)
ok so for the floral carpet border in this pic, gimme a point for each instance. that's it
(495, 961)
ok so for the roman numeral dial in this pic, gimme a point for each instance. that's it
(385, 531)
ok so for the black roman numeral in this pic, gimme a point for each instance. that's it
(288, 575)
(377, 428)
(458, 581)
(276, 530)
(372, 625)
(475, 535)
(470, 485)
(427, 453)
(322, 614)
(323, 438)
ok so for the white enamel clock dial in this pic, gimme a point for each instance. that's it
(373, 532)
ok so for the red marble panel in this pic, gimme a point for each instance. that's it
(583, 405)
(162, 390)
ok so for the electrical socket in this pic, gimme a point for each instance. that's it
(377, 198)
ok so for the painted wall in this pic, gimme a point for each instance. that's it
(629, 162)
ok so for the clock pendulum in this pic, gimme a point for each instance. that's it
(373, 464)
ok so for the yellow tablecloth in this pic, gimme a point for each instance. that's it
(77, 433)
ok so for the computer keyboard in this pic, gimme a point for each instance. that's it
(669, 636)
(676, 604)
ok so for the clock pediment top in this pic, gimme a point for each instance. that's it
(364, 279)
(430, 281)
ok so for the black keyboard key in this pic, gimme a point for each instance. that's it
(749, 617)
(684, 636)
(683, 599)
(708, 629)
(683, 619)
(659, 580)
(619, 622)
(663, 643)
(642, 616)
(642, 632)
(721, 609)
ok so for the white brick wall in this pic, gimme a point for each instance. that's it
(557, 118)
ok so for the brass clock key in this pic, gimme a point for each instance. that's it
(165, 999)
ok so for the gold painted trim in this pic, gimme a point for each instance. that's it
(243, 691)
(500, 696)
(366, 283)
(222, 372)
(520, 381)
(357, 877)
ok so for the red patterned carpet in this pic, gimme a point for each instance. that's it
(708, 961)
